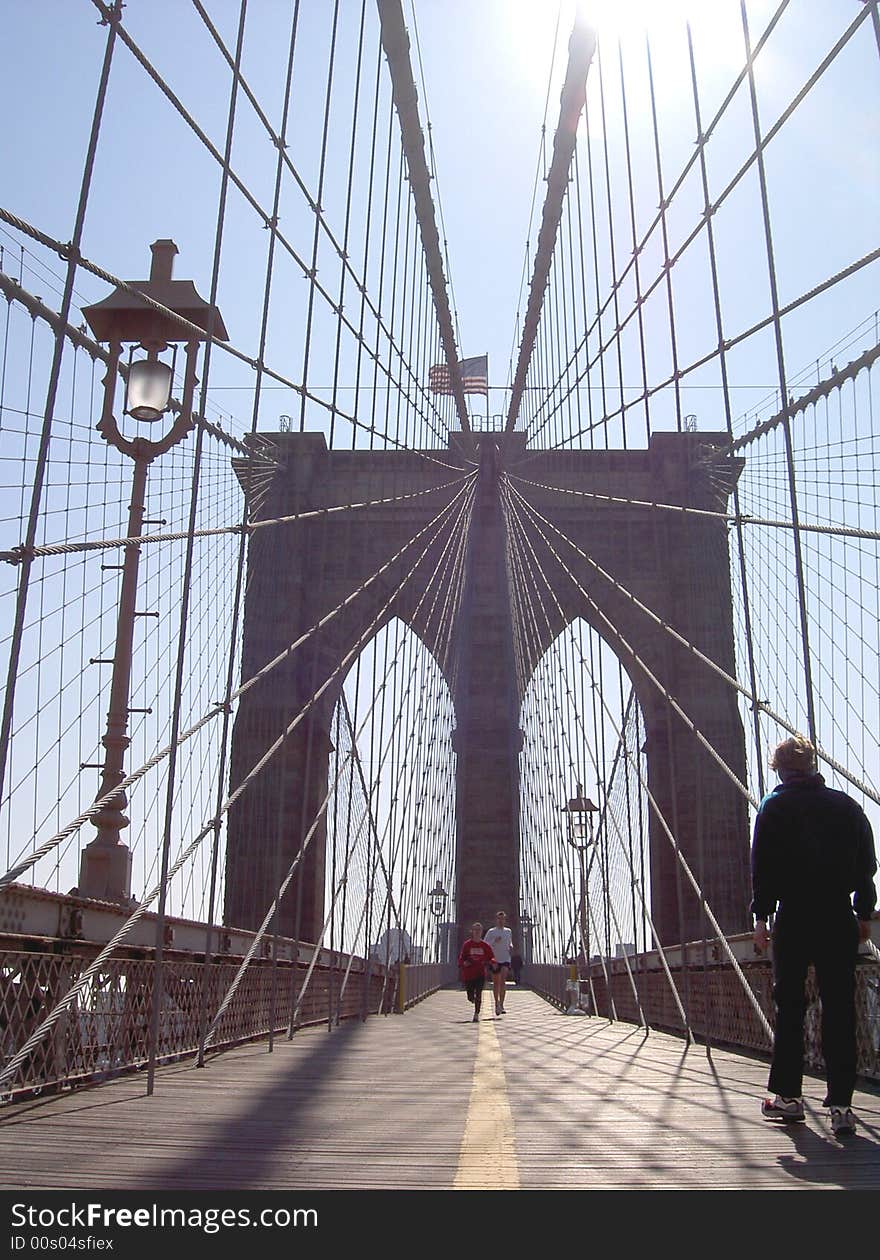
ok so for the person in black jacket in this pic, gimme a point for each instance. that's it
(812, 850)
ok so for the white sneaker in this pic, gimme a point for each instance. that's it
(842, 1121)
(789, 1110)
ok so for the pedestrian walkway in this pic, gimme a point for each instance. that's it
(533, 1099)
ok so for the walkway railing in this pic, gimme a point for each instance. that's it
(421, 980)
(105, 1031)
(48, 941)
(712, 996)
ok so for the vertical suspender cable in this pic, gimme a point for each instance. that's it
(186, 584)
(783, 386)
(111, 16)
(664, 232)
(722, 361)
(242, 545)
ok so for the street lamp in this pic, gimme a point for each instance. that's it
(437, 899)
(125, 319)
(580, 811)
(526, 928)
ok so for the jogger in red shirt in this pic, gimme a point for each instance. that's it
(473, 960)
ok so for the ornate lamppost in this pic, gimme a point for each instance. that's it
(437, 899)
(579, 812)
(124, 319)
(526, 929)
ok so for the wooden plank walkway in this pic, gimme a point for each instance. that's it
(533, 1099)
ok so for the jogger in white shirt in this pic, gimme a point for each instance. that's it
(500, 938)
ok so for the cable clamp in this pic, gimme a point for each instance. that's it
(18, 555)
(110, 13)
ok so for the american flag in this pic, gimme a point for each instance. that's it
(474, 376)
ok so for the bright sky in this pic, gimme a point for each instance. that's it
(487, 72)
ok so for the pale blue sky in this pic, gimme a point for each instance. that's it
(486, 69)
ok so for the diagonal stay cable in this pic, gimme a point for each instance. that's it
(755, 156)
(525, 586)
(270, 913)
(745, 518)
(14, 292)
(538, 571)
(21, 866)
(309, 272)
(17, 554)
(69, 253)
(729, 343)
(631, 652)
(588, 743)
(761, 705)
(39, 1033)
(313, 204)
(42, 461)
(722, 939)
(379, 859)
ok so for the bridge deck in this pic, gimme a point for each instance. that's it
(534, 1099)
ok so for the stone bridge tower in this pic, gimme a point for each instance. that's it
(677, 565)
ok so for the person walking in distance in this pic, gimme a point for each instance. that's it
(500, 938)
(474, 958)
(812, 850)
(516, 966)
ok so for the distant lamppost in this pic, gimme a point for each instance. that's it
(580, 811)
(437, 899)
(124, 319)
(526, 928)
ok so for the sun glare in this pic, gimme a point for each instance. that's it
(529, 30)
(716, 28)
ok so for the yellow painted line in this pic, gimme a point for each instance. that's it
(487, 1160)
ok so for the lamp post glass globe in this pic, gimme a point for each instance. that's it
(580, 811)
(578, 830)
(149, 388)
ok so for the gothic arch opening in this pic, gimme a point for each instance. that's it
(390, 813)
(583, 745)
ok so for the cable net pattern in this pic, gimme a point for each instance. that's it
(686, 297)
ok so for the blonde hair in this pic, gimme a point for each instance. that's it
(796, 753)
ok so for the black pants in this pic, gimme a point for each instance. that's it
(475, 991)
(830, 942)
